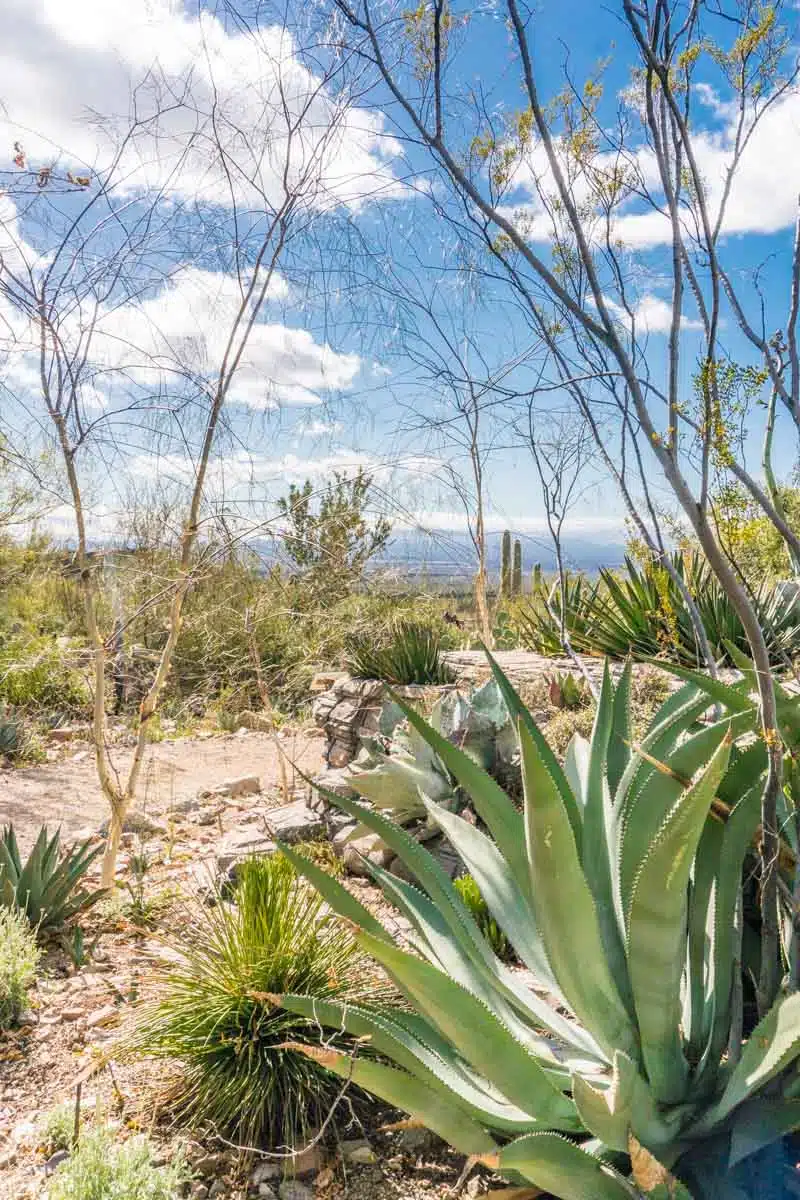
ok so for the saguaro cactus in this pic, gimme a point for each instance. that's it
(516, 573)
(505, 565)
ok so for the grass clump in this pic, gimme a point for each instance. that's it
(101, 1169)
(410, 653)
(57, 1129)
(218, 1015)
(19, 958)
(473, 900)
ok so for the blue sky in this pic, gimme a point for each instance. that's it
(330, 385)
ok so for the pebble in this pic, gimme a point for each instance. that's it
(266, 1192)
(291, 1189)
(265, 1170)
(72, 1013)
(102, 1016)
(358, 1152)
(218, 1188)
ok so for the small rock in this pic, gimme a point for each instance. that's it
(245, 785)
(68, 733)
(106, 1015)
(55, 1160)
(136, 822)
(199, 1191)
(265, 1170)
(291, 1189)
(209, 1164)
(72, 1013)
(358, 1152)
(266, 1192)
(368, 849)
(8, 1157)
(28, 1017)
(218, 1188)
(295, 822)
(209, 816)
(417, 1141)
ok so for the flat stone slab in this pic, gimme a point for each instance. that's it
(241, 843)
(294, 822)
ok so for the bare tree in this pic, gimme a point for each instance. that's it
(597, 183)
(92, 266)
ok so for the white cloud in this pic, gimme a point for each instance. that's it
(64, 60)
(183, 330)
(763, 197)
(651, 315)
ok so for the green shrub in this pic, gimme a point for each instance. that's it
(220, 1016)
(475, 904)
(618, 886)
(19, 958)
(101, 1169)
(561, 728)
(410, 653)
(35, 675)
(57, 1129)
(46, 886)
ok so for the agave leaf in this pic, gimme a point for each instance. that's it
(597, 830)
(562, 1168)
(477, 1034)
(519, 1007)
(519, 714)
(621, 736)
(739, 830)
(657, 935)
(700, 959)
(413, 1044)
(491, 802)
(760, 1122)
(430, 1106)
(652, 1177)
(507, 903)
(570, 930)
(772, 1045)
(734, 697)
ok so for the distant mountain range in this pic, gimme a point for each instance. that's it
(443, 554)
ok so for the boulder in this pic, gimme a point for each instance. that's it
(368, 849)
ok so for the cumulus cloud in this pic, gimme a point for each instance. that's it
(63, 62)
(182, 331)
(763, 197)
(651, 314)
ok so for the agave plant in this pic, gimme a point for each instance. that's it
(641, 611)
(396, 772)
(46, 887)
(411, 655)
(616, 1066)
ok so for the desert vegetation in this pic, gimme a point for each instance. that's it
(370, 826)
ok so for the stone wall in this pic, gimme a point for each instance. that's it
(351, 708)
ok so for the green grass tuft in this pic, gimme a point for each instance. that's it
(19, 958)
(215, 1016)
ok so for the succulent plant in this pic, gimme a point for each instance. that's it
(623, 1070)
(46, 887)
(397, 771)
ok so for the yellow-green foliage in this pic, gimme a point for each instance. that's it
(19, 958)
(102, 1169)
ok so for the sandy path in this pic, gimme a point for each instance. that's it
(66, 791)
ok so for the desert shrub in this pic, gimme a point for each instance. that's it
(57, 1129)
(565, 723)
(34, 674)
(474, 902)
(408, 653)
(220, 1015)
(19, 958)
(101, 1169)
